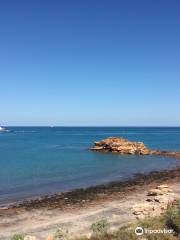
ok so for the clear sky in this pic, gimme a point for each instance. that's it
(96, 62)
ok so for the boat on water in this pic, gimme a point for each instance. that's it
(2, 129)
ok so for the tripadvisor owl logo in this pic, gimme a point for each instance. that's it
(139, 231)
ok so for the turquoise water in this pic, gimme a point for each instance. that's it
(40, 160)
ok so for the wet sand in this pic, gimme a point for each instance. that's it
(78, 209)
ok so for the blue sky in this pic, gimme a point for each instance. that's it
(113, 63)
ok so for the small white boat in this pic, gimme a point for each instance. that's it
(3, 129)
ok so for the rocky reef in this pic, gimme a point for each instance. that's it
(123, 146)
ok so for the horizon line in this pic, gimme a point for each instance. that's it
(51, 126)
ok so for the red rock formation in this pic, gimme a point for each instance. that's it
(123, 146)
(120, 145)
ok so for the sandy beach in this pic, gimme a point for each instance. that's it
(78, 209)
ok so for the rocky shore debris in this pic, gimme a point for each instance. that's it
(159, 190)
(156, 203)
(123, 146)
(29, 237)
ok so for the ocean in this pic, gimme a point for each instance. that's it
(36, 161)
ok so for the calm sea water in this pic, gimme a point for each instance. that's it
(39, 160)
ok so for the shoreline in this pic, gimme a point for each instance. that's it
(82, 196)
(77, 210)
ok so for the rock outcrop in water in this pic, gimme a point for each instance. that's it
(123, 146)
(120, 145)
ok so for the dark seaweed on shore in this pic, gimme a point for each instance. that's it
(84, 195)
